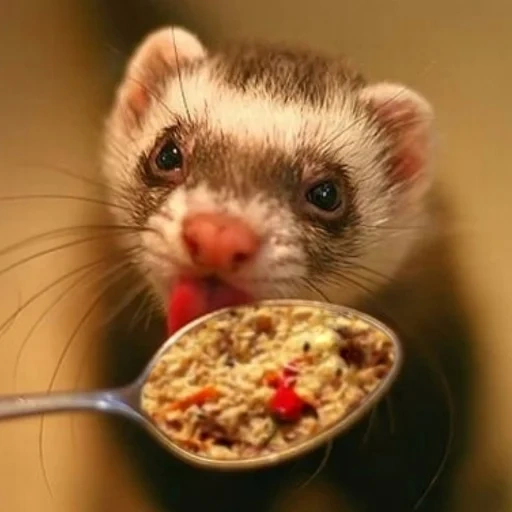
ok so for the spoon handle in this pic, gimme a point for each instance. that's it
(110, 401)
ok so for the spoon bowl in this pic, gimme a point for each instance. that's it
(127, 401)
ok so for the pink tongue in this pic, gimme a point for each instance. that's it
(191, 298)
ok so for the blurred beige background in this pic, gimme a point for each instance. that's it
(54, 88)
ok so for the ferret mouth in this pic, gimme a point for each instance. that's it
(192, 297)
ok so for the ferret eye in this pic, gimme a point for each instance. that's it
(165, 164)
(169, 157)
(325, 196)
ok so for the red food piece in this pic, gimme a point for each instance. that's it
(286, 404)
(191, 298)
(287, 378)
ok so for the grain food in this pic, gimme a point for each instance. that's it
(258, 379)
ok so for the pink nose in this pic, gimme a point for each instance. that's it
(219, 241)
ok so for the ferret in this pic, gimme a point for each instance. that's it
(279, 171)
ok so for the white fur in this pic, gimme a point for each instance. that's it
(252, 117)
(279, 258)
(255, 118)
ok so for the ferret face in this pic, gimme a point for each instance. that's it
(278, 171)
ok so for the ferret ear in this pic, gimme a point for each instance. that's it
(159, 54)
(407, 117)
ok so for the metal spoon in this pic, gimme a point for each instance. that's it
(125, 401)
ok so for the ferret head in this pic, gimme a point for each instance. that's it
(279, 171)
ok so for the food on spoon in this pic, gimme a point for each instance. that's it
(258, 378)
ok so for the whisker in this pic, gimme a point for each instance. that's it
(11, 319)
(450, 420)
(351, 273)
(447, 393)
(180, 80)
(391, 416)
(374, 244)
(315, 289)
(355, 283)
(448, 444)
(65, 171)
(51, 250)
(376, 273)
(128, 297)
(371, 423)
(20, 309)
(85, 317)
(387, 227)
(321, 466)
(70, 230)
(63, 197)
(39, 294)
(88, 269)
(149, 311)
(131, 296)
(142, 306)
(263, 280)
